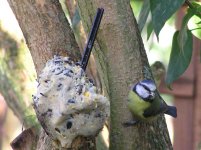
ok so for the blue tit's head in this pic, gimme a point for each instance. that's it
(145, 89)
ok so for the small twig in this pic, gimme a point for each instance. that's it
(189, 4)
(197, 13)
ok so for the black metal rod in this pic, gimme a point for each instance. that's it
(91, 38)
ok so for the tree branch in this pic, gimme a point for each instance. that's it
(13, 100)
(121, 57)
(47, 33)
(11, 82)
(46, 30)
(189, 4)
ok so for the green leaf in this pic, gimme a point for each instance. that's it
(162, 10)
(149, 29)
(183, 33)
(179, 60)
(144, 12)
(197, 8)
(195, 27)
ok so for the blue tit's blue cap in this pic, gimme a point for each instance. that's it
(148, 84)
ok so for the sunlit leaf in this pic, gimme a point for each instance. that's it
(144, 12)
(179, 60)
(195, 22)
(197, 8)
(161, 11)
(195, 27)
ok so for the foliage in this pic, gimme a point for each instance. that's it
(179, 59)
(181, 52)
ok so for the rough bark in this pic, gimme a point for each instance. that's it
(47, 33)
(71, 5)
(27, 140)
(120, 57)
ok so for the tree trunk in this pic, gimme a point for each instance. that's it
(121, 57)
(47, 33)
(119, 54)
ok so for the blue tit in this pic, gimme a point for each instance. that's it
(145, 102)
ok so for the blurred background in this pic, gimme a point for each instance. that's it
(17, 70)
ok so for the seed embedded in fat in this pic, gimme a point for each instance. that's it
(65, 89)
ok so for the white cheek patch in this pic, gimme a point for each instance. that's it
(149, 84)
(67, 103)
(142, 92)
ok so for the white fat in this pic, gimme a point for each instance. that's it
(65, 94)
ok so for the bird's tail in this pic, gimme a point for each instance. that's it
(172, 111)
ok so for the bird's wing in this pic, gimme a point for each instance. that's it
(157, 106)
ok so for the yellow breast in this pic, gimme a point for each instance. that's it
(137, 105)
